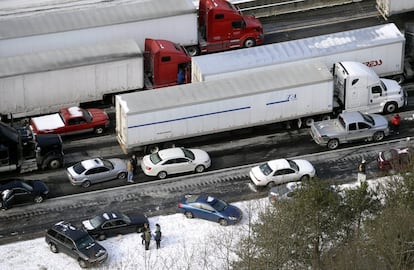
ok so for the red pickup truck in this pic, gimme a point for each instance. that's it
(71, 121)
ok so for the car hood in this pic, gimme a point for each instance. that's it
(305, 166)
(380, 121)
(99, 115)
(39, 186)
(200, 156)
(233, 211)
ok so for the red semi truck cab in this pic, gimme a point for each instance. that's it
(222, 27)
(165, 63)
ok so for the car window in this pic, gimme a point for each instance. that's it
(119, 222)
(206, 207)
(102, 169)
(219, 205)
(85, 241)
(78, 168)
(265, 168)
(293, 165)
(362, 125)
(92, 171)
(69, 242)
(108, 164)
(87, 115)
(284, 171)
(61, 238)
(96, 221)
(108, 224)
(181, 160)
(368, 118)
(27, 186)
(352, 126)
(169, 162)
(155, 158)
(188, 153)
(20, 191)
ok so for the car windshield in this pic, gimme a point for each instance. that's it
(78, 168)
(87, 115)
(85, 242)
(188, 153)
(96, 221)
(368, 118)
(219, 205)
(108, 164)
(265, 168)
(293, 165)
(27, 186)
(155, 158)
(126, 218)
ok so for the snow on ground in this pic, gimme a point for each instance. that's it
(186, 244)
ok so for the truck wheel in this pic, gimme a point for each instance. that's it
(193, 50)
(38, 199)
(151, 149)
(378, 136)
(53, 163)
(162, 175)
(399, 78)
(309, 121)
(99, 130)
(333, 144)
(199, 169)
(390, 107)
(248, 43)
(86, 184)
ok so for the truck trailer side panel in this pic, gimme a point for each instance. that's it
(191, 110)
(392, 7)
(174, 20)
(380, 47)
(32, 85)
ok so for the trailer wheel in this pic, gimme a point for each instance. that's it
(378, 136)
(309, 121)
(153, 148)
(399, 78)
(333, 144)
(326, 117)
(390, 107)
(193, 50)
(248, 43)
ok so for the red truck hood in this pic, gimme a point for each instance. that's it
(99, 115)
(253, 22)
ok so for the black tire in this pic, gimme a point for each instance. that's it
(309, 121)
(271, 184)
(162, 175)
(122, 175)
(152, 148)
(193, 50)
(53, 248)
(378, 136)
(333, 144)
(82, 263)
(86, 184)
(200, 169)
(53, 163)
(248, 43)
(223, 222)
(38, 199)
(188, 214)
(390, 107)
(99, 130)
(304, 178)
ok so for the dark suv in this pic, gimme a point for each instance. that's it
(65, 237)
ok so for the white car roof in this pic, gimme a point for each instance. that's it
(92, 163)
(278, 164)
(171, 153)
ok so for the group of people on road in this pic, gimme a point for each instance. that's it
(146, 236)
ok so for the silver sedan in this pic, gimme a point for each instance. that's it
(96, 170)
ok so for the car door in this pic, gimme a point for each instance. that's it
(109, 227)
(207, 212)
(77, 125)
(284, 175)
(20, 195)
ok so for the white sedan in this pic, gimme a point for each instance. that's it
(279, 171)
(175, 160)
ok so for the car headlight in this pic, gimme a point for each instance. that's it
(233, 218)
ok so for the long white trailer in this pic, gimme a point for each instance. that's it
(152, 118)
(392, 7)
(45, 82)
(64, 26)
(301, 91)
(380, 47)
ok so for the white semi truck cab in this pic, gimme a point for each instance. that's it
(358, 88)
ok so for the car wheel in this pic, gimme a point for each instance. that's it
(378, 136)
(304, 178)
(248, 43)
(53, 248)
(102, 237)
(223, 222)
(333, 144)
(199, 169)
(99, 130)
(82, 263)
(86, 184)
(271, 184)
(188, 214)
(122, 175)
(162, 175)
(38, 199)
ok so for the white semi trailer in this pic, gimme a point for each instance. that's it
(392, 7)
(380, 47)
(303, 91)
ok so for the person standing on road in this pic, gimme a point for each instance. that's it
(146, 236)
(395, 123)
(157, 236)
(130, 170)
(134, 162)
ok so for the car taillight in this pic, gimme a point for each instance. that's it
(180, 205)
(148, 168)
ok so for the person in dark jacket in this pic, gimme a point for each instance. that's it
(157, 236)
(146, 236)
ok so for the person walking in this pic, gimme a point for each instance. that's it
(134, 162)
(157, 236)
(395, 123)
(146, 236)
(130, 170)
